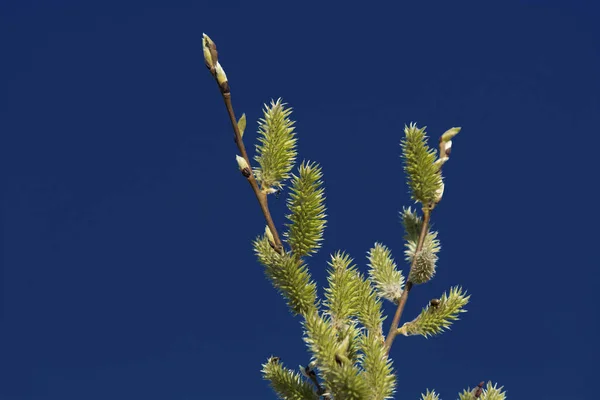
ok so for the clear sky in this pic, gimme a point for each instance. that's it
(128, 271)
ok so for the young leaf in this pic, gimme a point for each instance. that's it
(242, 124)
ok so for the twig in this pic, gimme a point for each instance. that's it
(213, 67)
(312, 375)
(396, 321)
(260, 195)
(445, 147)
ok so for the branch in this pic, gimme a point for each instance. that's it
(396, 321)
(445, 146)
(311, 374)
(211, 61)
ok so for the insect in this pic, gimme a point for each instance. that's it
(479, 390)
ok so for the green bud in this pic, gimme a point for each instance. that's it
(242, 164)
(449, 134)
(439, 193)
(221, 78)
(210, 52)
(242, 124)
(269, 236)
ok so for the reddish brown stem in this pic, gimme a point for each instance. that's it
(402, 302)
(260, 195)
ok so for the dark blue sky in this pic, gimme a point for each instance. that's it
(128, 271)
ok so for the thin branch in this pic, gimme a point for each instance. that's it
(260, 195)
(312, 375)
(396, 321)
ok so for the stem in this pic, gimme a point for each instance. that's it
(260, 195)
(396, 321)
(313, 377)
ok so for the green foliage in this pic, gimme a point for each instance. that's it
(425, 265)
(289, 275)
(438, 315)
(288, 384)
(424, 178)
(276, 151)
(430, 395)
(242, 124)
(306, 204)
(387, 280)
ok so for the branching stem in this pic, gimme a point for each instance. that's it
(402, 302)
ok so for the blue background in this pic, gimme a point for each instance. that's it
(128, 271)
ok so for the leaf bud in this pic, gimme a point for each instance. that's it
(209, 48)
(221, 78)
(243, 166)
(242, 124)
(449, 134)
(269, 236)
(439, 193)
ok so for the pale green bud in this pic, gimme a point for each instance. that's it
(439, 193)
(448, 146)
(210, 52)
(242, 124)
(269, 235)
(440, 161)
(242, 164)
(221, 77)
(449, 134)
